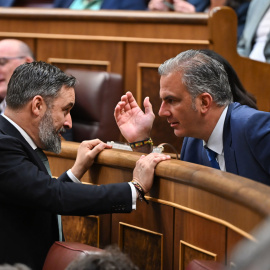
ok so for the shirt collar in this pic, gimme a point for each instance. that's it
(215, 141)
(23, 133)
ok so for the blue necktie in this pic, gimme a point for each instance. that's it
(212, 156)
(45, 161)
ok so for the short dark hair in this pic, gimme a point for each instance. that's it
(17, 266)
(36, 78)
(200, 74)
(110, 258)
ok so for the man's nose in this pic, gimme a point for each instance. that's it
(163, 111)
(68, 121)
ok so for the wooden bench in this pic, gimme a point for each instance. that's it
(133, 44)
(194, 212)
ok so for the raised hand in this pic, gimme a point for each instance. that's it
(86, 154)
(134, 124)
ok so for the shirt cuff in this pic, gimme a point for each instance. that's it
(72, 177)
(134, 195)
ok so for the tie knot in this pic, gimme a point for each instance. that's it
(41, 154)
(212, 155)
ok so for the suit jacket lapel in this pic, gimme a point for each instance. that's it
(8, 129)
(229, 153)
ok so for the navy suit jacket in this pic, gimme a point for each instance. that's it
(110, 4)
(241, 12)
(107, 4)
(246, 144)
(30, 200)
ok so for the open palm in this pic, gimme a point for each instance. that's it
(134, 124)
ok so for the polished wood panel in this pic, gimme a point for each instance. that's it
(197, 238)
(82, 229)
(188, 252)
(152, 222)
(193, 212)
(147, 250)
(134, 44)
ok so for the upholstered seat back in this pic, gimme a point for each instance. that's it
(97, 93)
(61, 254)
(204, 265)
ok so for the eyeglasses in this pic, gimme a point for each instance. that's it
(4, 60)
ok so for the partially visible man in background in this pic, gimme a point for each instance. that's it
(13, 53)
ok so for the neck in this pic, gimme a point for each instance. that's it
(27, 123)
(211, 120)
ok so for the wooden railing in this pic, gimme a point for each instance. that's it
(193, 212)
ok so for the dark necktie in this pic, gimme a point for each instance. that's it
(212, 156)
(45, 161)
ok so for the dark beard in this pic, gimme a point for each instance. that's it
(48, 135)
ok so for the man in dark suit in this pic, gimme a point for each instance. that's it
(197, 102)
(39, 99)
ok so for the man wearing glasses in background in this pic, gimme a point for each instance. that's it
(13, 53)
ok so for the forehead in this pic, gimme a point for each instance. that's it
(66, 97)
(172, 85)
(9, 49)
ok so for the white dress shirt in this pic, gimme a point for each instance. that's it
(215, 141)
(263, 30)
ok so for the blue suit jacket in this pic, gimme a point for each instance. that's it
(107, 4)
(246, 144)
(110, 4)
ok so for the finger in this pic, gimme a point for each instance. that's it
(156, 158)
(91, 143)
(117, 111)
(132, 103)
(125, 102)
(161, 158)
(147, 106)
(142, 156)
(98, 148)
(108, 146)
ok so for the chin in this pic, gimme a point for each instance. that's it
(2, 94)
(179, 134)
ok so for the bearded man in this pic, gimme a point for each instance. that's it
(39, 99)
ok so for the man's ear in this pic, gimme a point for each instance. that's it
(29, 59)
(38, 105)
(206, 101)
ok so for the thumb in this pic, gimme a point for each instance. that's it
(148, 106)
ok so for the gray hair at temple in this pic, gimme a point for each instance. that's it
(25, 49)
(36, 78)
(200, 74)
